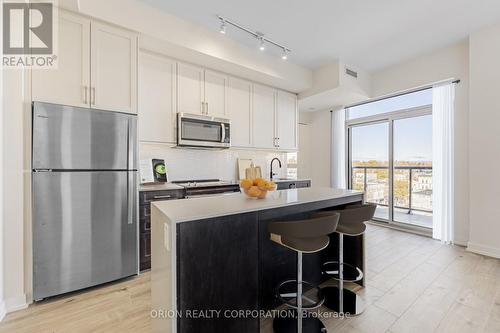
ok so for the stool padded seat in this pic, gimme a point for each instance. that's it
(310, 235)
(306, 244)
(352, 218)
(351, 229)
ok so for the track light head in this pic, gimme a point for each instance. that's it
(223, 27)
(262, 44)
(284, 55)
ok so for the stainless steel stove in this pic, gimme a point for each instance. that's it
(208, 187)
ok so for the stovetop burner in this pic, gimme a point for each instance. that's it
(203, 183)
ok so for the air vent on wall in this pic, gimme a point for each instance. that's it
(351, 72)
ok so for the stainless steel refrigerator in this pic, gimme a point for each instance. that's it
(84, 198)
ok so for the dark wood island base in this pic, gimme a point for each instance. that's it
(222, 272)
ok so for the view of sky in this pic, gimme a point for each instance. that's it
(407, 101)
(412, 137)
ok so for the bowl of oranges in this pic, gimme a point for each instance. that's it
(257, 188)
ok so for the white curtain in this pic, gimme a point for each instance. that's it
(443, 102)
(338, 155)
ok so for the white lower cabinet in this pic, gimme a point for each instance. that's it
(157, 98)
(239, 105)
(263, 124)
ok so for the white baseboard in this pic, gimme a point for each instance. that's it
(484, 250)
(15, 303)
(460, 243)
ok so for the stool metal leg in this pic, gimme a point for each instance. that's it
(337, 298)
(299, 292)
(301, 323)
(341, 272)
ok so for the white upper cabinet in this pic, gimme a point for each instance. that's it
(286, 120)
(157, 100)
(97, 67)
(263, 117)
(69, 84)
(239, 107)
(114, 68)
(215, 94)
(190, 89)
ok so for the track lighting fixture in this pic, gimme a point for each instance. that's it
(260, 36)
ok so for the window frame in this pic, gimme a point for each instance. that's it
(388, 118)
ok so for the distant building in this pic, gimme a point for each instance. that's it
(422, 200)
(422, 181)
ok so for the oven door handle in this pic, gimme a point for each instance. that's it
(223, 132)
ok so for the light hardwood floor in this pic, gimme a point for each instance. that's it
(414, 284)
(115, 307)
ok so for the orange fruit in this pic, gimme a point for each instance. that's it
(258, 181)
(254, 191)
(246, 183)
(262, 184)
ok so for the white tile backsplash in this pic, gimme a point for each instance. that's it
(184, 164)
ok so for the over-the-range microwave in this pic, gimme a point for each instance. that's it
(203, 131)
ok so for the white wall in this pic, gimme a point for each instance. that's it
(332, 87)
(13, 107)
(304, 153)
(484, 148)
(319, 123)
(2, 223)
(185, 164)
(446, 63)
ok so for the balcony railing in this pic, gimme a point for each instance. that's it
(411, 171)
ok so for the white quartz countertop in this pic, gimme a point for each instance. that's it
(207, 207)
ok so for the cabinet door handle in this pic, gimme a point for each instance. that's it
(92, 96)
(85, 93)
(162, 196)
(207, 108)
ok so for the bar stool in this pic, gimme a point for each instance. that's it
(302, 236)
(351, 223)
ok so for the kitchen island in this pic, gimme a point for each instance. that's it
(212, 259)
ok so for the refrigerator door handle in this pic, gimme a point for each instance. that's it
(132, 143)
(131, 205)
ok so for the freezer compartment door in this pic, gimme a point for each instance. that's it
(83, 231)
(67, 138)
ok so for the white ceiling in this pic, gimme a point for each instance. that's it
(371, 34)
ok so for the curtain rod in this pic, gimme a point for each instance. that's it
(399, 94)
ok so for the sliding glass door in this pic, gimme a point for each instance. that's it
(413, 171)
(370, 164)
(390, 159)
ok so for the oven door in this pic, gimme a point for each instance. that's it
(200, 131)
